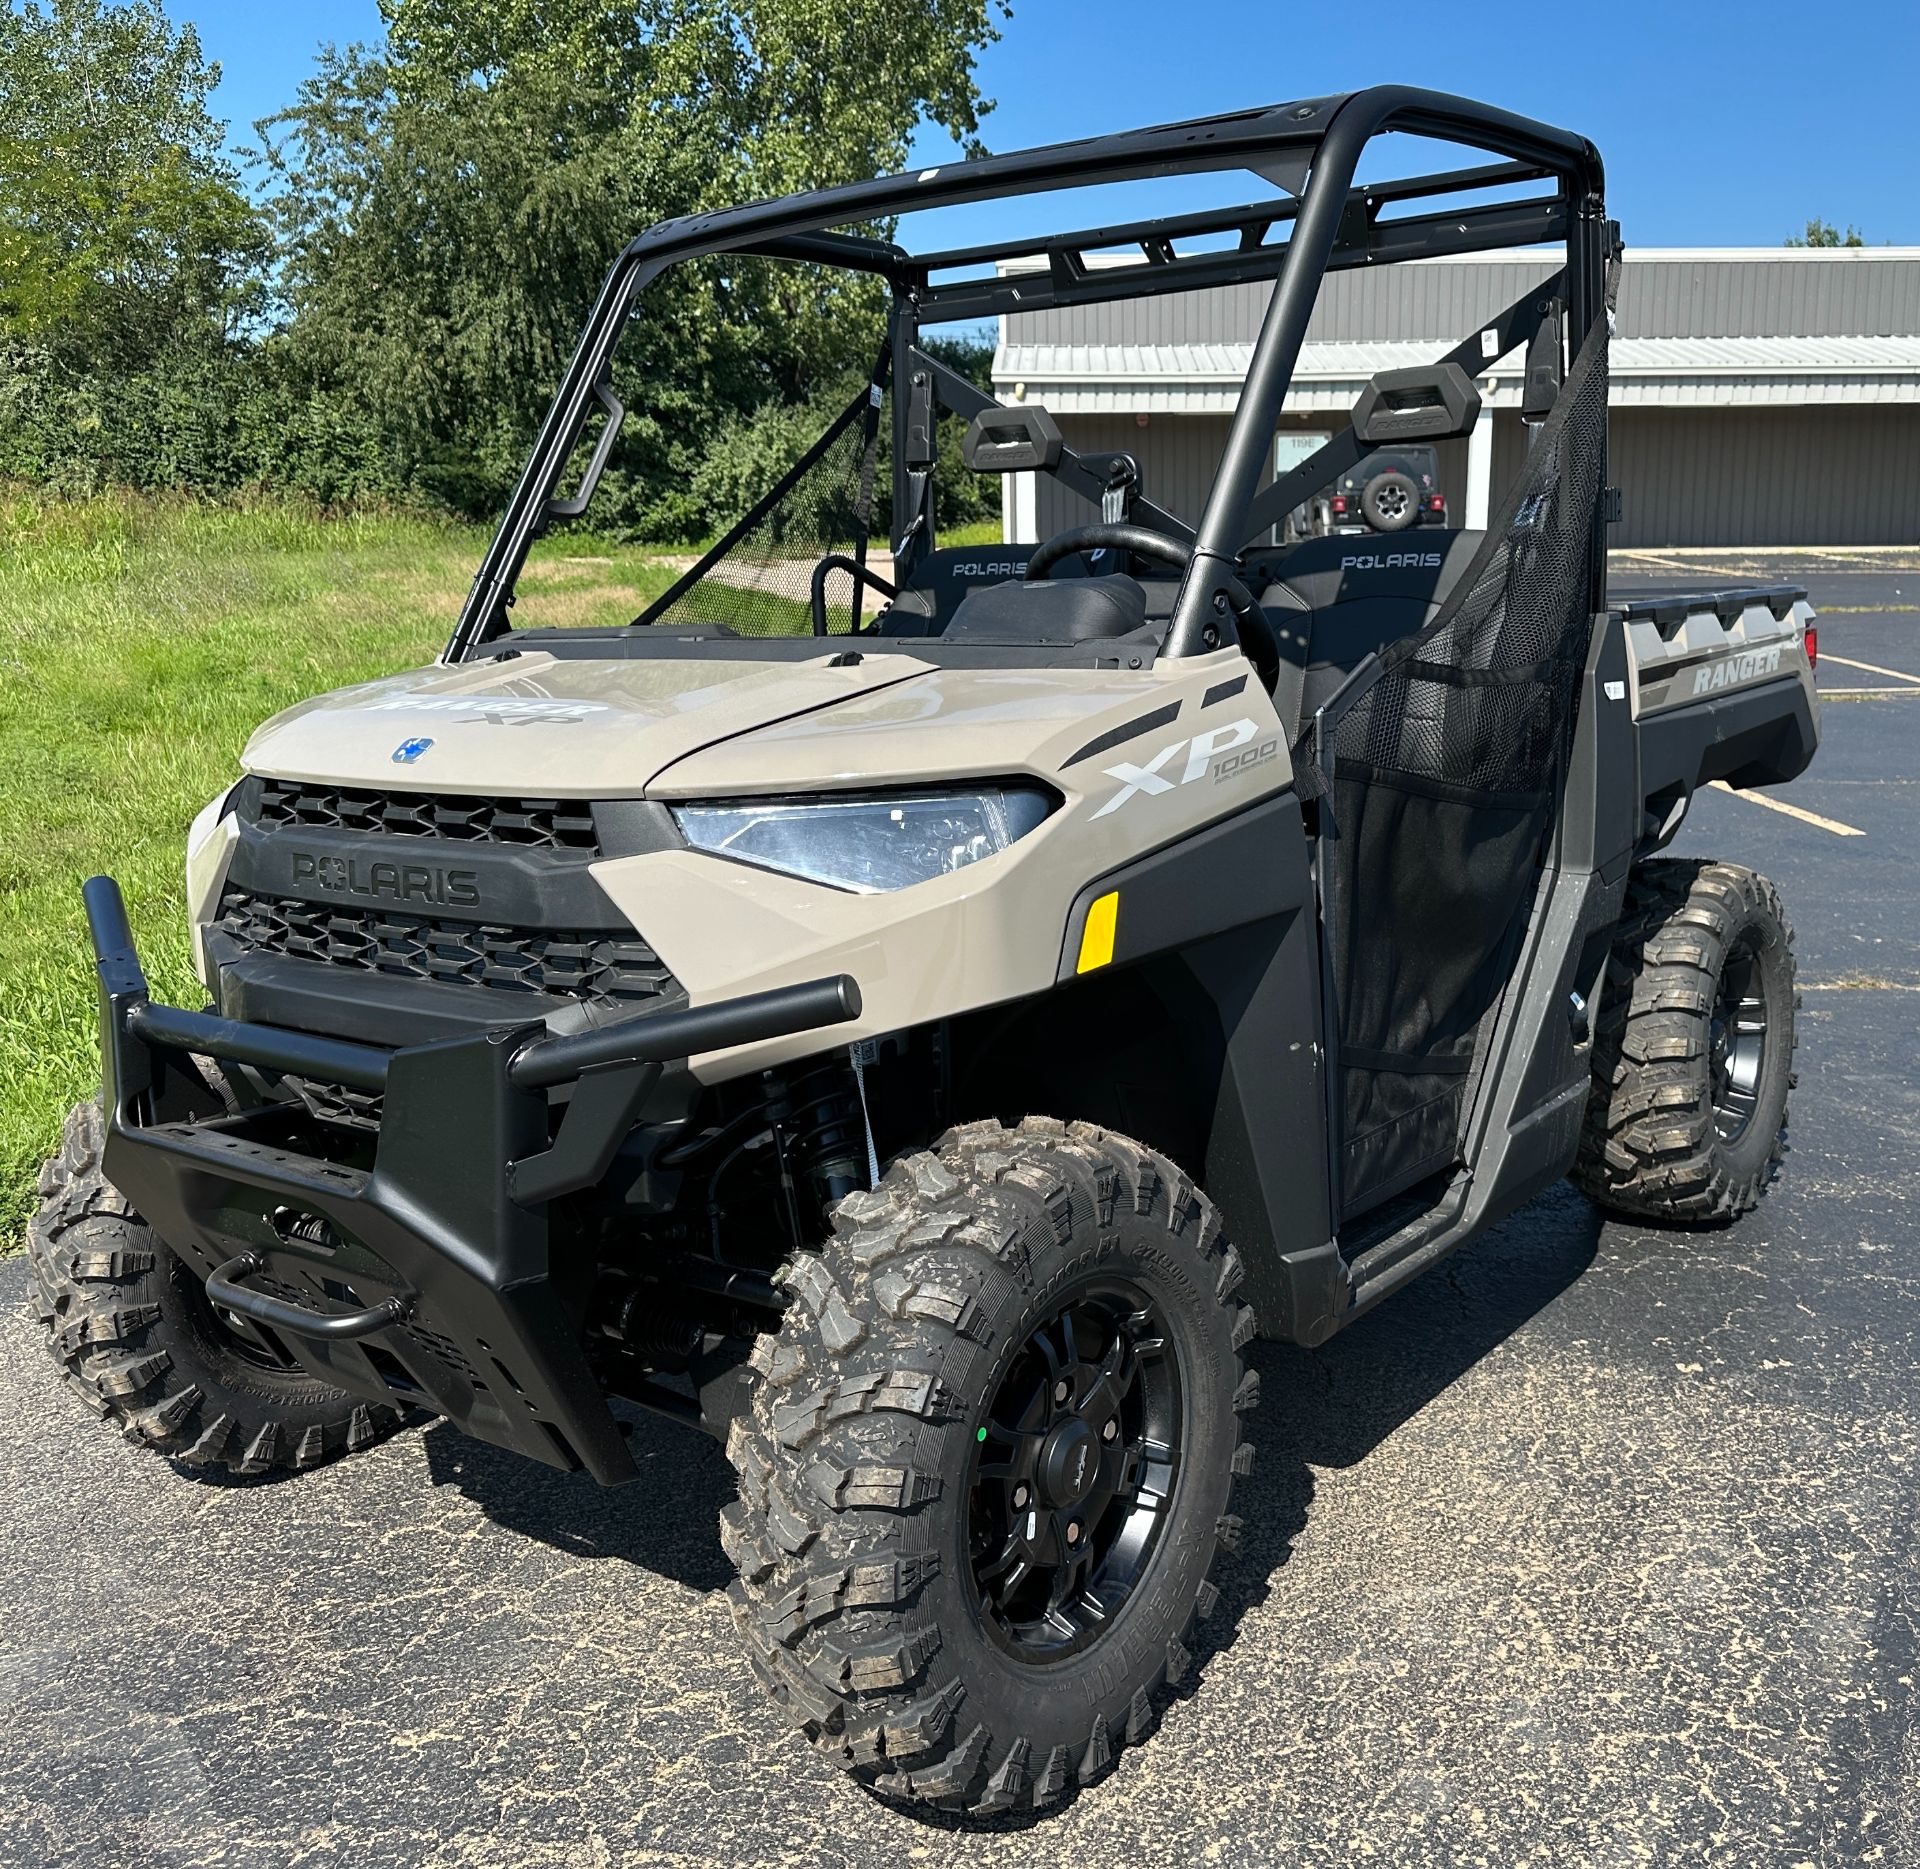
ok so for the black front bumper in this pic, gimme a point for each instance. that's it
(448, 1226)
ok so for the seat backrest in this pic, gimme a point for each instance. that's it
(942, 580)
(1333, 602)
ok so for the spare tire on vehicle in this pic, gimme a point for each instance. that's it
(1391, 502)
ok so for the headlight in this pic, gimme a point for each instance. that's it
(206, 822)
(207, 847)
(867, 844)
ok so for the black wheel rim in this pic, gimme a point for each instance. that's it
(1074, 1473)
(1738, 1052)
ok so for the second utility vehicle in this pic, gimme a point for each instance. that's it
(922, 1016)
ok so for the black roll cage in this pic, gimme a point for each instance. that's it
(1310, 148)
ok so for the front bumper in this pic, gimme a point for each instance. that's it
(445, 1234)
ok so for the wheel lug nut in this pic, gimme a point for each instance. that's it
(1019, 1497)
(1061, 1391)
(1073, 1532)
(1110, 1430)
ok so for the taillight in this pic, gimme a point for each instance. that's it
(1339, 502)
(1437, 504)
(1813, 646)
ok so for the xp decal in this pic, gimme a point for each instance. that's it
(1152, 778)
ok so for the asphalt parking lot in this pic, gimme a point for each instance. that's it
(1596, 1547)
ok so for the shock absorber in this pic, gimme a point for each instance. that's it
(817, 1132)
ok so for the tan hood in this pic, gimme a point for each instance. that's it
(948, 723)
(542, 726)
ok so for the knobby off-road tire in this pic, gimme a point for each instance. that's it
(1693, 1053)
(138, 1341)
(863, 1461)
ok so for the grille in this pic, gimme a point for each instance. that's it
(536, 823)
(612, 970)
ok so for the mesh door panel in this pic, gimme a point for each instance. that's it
(1443, 773)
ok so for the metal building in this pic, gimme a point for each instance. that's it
(1760, 396)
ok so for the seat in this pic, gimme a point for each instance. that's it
(1074, 610)
(1335, 601)
(941, 581)
(944, 578)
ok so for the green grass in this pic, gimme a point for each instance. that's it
(140, 644)
(981, 532)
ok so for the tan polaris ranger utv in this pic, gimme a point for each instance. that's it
(922, 1016)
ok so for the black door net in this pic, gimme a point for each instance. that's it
(1443, 763)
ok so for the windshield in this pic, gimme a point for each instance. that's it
(770, 441)
(730, 372)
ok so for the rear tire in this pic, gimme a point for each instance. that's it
(138, 1341)
(896, 1410)
(1693, 1055)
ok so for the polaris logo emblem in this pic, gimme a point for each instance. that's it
(1010, 569)
(1080, 1467)
(1736, 669)
(1152, 779)
(1391, 561)
(390, 882)
(409, 750)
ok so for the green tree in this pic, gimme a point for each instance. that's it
(448, 206)
(1825, 234)
(123, 234)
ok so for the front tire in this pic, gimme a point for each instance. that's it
(1693, 1052)
(141, 1345)
(1047, 1312)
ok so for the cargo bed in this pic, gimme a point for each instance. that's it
(1722, 688)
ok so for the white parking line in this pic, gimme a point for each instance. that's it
(1872, 668)
(1793, 811)
(1857, 984)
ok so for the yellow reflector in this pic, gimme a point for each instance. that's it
(1096, 938)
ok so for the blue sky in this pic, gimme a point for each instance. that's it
(1722, 124)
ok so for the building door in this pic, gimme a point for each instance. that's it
(1291, 446)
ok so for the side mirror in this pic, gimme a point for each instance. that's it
(1012, 441)
(1436, 402)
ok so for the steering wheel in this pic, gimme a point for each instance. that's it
(1249, 620)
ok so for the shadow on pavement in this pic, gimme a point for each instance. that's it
(1332, 1406)
(1328, 1407)
(668, 1520)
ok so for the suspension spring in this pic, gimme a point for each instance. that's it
(817, 1127)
